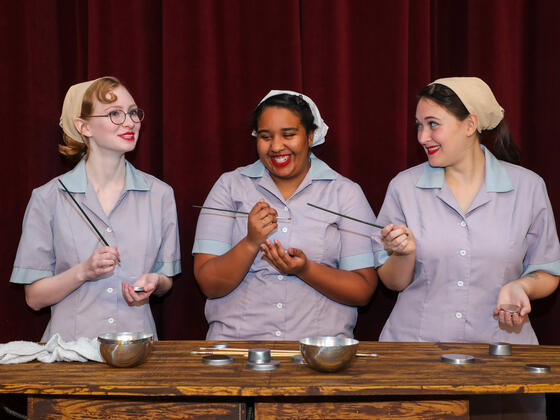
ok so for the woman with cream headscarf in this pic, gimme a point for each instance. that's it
(285, 270)
(62, 260)
(480, 234)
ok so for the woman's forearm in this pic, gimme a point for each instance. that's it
(219, 275)
(353, 288)
(164, 285)
(397, 272)
(50, 290)
(539, 284)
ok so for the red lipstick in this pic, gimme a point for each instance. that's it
(284, 160)
(432, 149)
(128, 136)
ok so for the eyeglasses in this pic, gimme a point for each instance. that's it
(118, 116)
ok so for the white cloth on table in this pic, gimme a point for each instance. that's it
(55, 350)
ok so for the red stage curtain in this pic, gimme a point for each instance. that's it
(198, 68)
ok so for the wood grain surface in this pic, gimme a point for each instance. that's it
(412, 410)
(74, 408)
(400, 369)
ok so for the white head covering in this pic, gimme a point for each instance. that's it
(320, 132)
(478, 98)
(72, 108)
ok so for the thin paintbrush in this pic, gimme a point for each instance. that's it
(274, 353)
(287, 352)
(348, 217)
(242, 353)
(86, 216)
(235, 211)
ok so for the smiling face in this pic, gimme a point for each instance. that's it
(103, 134)
(445, 138)
(283, 145)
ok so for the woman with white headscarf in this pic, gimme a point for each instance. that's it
(470, 237)
(86, 272)
(284, 270)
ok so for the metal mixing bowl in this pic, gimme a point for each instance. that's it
(125, 349)
(328, 354)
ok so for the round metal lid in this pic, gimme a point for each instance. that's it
(220, 345)
(217, 360)
(508, 307)
(536, 368)
(457, 359)
(499, 349)
(298, 359)
(273, 364)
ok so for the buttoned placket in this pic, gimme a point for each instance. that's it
(284, 236)
(464, 251)
(103, 224)
(459, 285)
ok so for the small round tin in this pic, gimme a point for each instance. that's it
(259, 359)
(259, 355)
(457, 359)
(270, 365)
(298, 359)
(512, 309)
(220, 346)
(499, 349)
(217, 360)
(536, 368)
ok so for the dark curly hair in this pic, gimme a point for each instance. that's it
(294, 103)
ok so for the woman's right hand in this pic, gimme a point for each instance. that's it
(398, 240)
(261, 222)
(100, 263)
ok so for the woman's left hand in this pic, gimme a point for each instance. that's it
(148, 281)
(513, 294)
(292, 262)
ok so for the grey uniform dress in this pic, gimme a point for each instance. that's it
(56, 237)
(463, 258)
(268, 305)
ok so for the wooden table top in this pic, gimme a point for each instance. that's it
(400, 369)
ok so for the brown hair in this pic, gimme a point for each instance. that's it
(101, 90)
(502, 147)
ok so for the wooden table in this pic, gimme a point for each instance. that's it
(406, 379)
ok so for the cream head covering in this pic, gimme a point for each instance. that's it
(72, 108)
(478, 98)
(320, 132)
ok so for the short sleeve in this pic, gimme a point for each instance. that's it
(35, 257)
(168, 261)
(543, 248)
(390, 213)
(214, 229)
(356, 250)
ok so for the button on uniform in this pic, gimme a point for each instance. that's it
(279, 305)
(462, 252)
(278, 333)
(460, 283)
(463, 224)
(459, 315)
(280, 277)
(110, 320)
(109, 290)
(284, 229)
(109, 230)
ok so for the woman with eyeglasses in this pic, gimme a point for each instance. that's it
(94, 234)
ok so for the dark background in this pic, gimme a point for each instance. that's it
(199, 67)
